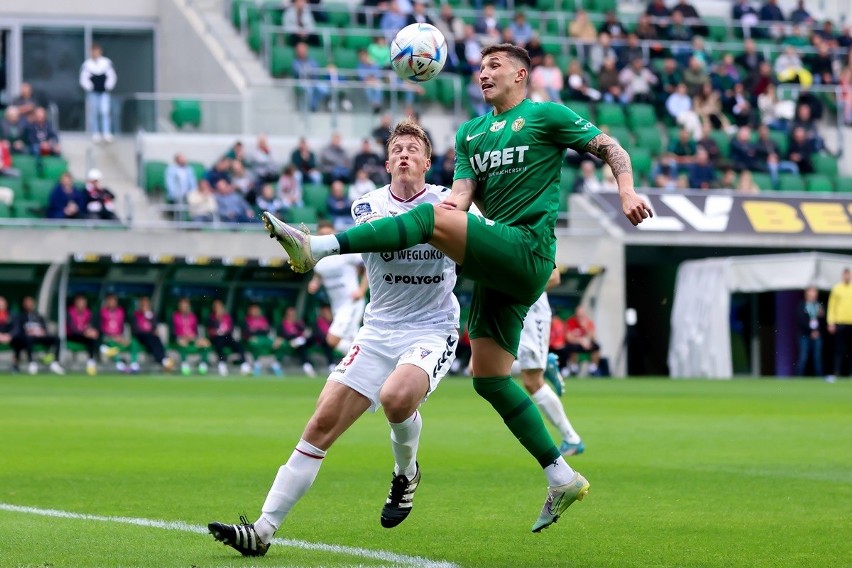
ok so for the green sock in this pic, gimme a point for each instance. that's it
(390, 233)
(520, 414)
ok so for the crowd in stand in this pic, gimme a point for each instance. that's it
(117, 335)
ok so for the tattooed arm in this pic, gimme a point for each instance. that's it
(618, 160)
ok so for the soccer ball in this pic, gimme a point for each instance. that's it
(418, 52)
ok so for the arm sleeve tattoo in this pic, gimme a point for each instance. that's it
(610, 152)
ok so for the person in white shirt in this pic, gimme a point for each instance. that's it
(98, 79)
(180, 179)
(404, 349)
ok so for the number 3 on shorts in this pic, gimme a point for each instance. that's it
(353, 351)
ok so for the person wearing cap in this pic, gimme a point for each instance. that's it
(99, 200)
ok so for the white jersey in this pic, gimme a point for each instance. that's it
(535, 337)
(541, 308)
(412, 288)
(339, 278)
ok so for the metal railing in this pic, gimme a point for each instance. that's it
(166, 112)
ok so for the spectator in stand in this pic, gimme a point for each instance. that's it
(558, 342)
(636, 82)
(296, 333)
(535, 51)
(660, 14)
(243, 182)
(41, 138)
(221, 170)
(371, 162)
(608, 81)
(728, 179)
(578, 88)
(321, 327)
(800, 15)
(25, 102)
(746, 183)
(264, 166)
(774, 113)
(521, 29)
(6, 327)
(679, 107)
(811, 317)
(289, 188)
(581, 29)
(845, 102)
(469, 50)
(28, 330)
(707, 104)
(305, 67)
(701, 174)
(305, 162)
(750, 59)
(688, 11)
(588, 181)
(725, 74)
(100, 201)
(815, 106)
(111, 322)
(185, 330)
(580, 336)
(645, 30)
(444, 176)
(547, 79)
(798, 37)
(670, 78)
(800, 150)
(381, 133)
(220, 331)
(821, 66)
(268, 200)
(630, 52)
(789, 68)
(361, 186)
(600, 52)
(143, 326)
(679, 32)
(767, 152)
(13, 130)
(79, 329)
(738, 103)
(392, 21)
(258, 337)
(201, 203)
(339, 206)
(237, 153)
(487, 26)
(743, 12)
(805, 119)
(839, 319)
(334, 161)
(770, 12)
(709, 145)
(757, 84)
(299, 23)
(180, 179)
(475, 96)
(744, 154)
(679, 155)
(370, 75)
(378, 50)
(231, 205)
(418, 14)
(613, 26)
(66, 201)
(694, 76)
(451, 26)
(98, 79)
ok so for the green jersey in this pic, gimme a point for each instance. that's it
(516, 159)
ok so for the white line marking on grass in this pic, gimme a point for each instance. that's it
(382, 555)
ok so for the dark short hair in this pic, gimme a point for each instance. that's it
(409, 127)
(517, 53)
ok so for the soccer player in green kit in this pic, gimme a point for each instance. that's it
(509, 162)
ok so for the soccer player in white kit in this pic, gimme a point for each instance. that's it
(405, 347)
(346, 287)
(535, 362)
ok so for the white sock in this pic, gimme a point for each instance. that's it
(559, 472)
(293, 480)
(323, 246)
(552, 408)
(405, 437)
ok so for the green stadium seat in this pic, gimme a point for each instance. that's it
(430, 91)
(762, 180)
(641, 115)
(186, 111)
(610, 114)
(255, 36)
(791, 182)
(582, 108)
(52, 167)
(547, 5)
(553, 47)
(338, 15)
(26, 164)
(40, 189)
(820, 182)
(649, 137)
(567, 179)
(844, 184)
(16, 184)
(600, 6)
(825, 165)
(5, 210)
(315, 195)
(306, 214)
(319, 55)
(345, 58)
(723, 140)
(782, 141)
(281, 60)
(622, 134)
(361, 39)
(718, 28)
(28, 209)
(155, 176)
(641, 160)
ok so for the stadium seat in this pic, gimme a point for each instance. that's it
(315, 195)
(717, 27)
(640, 158)
(641, 115)
(26, 164)
(762, 180)
(319, 55)
(186, 111)
(649, 137)
(199, 169)
(345, 58)
(155, 176)
(723, 140)
(622, 135)
(281, 60)
(338, 15)
(566, 180)
(782, 141)
(825, 165)
(16, 184)
(600, 6)
(5, 210)
(360, 39)
(40, 189)
(255, 36)
(791, 182)
(582, 108)
(610, 114)
(819, 182)
(28, 209)
(52, 167)
(844, 184)
(306, 214)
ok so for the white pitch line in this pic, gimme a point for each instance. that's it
(382, 555)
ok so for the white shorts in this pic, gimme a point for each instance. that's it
(535, 341)
(347, 320)
(376, 353)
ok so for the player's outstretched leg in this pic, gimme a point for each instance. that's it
(241, 537)
(400, 499)
(559, 498)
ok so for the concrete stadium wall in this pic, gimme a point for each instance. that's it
(89, 8)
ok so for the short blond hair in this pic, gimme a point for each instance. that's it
(409, 127)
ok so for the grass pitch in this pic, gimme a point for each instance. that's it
(683, 473)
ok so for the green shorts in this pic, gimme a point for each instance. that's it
(508, 279)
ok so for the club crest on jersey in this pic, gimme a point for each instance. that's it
(362, 209)
(424, 353)
(518, 124)
(386, 256)
(498, 126)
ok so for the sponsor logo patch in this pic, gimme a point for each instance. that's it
(362, 209)
(498, 126)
